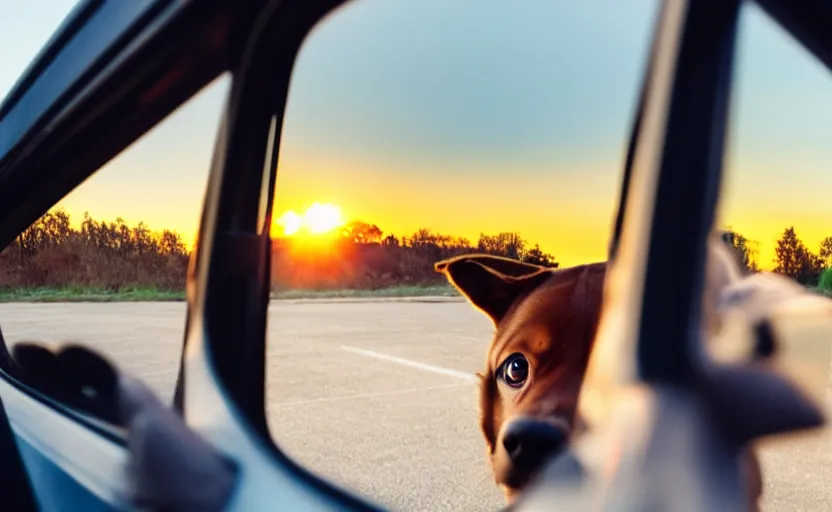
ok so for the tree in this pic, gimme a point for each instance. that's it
(460, 245)
(537, 257)
(362, 232)
(826, 251)
(746, 250)
(423, 238)
(390, 241)
(170, 243)
(795, 260)
(508, 245)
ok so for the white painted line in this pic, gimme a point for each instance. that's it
(275, 405)
(413, 364)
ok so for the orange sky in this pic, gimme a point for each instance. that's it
(567, 212)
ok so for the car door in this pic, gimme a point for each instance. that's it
(112, 71)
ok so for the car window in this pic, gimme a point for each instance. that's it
(416, 132)
(775, 200)
(106, 266)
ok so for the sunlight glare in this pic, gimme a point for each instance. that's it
(320, 218)
(291, 222)
(317, 219)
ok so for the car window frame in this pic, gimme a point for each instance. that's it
(164, 53)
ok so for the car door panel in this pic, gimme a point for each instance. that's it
(70, 467)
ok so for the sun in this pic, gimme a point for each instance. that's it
(318, 219)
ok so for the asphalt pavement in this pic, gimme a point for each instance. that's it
(378, 396)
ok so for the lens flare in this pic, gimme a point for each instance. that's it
(318, 219)
(291, 223)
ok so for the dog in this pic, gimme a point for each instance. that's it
(545, 324)
(545, 321)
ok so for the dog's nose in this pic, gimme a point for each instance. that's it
(530, 442)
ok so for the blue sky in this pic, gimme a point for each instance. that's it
(499, 84)
(478, 115)
(24, 28)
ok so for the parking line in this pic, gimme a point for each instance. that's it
(413, 364)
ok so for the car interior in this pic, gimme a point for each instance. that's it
(114, 70)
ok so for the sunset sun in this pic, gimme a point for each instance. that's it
(318, 219)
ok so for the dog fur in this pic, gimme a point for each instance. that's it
(550, 316)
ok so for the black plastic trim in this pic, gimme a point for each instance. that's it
(232, 261)
(14, 479)
(808, 21)
(167, 54)
(69, 61)
(681, 143)
(73, 22)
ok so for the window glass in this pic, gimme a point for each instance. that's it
(416, 131)
(106, 266)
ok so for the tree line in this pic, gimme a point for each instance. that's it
(793, 258)
(116, 256)
(363, 257)
(101, 255)
(506, 244)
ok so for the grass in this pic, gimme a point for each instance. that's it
(79, 294)
(825, 282)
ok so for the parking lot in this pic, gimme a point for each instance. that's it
(375, 395)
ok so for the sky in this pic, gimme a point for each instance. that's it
(477, 116)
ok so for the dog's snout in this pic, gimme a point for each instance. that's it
(529, 442)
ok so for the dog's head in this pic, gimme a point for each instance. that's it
(545, 322)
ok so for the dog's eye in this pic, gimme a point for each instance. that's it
(515, 370)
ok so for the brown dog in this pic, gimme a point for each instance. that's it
(545, 322)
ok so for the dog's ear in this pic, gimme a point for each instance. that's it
(492, 284)
(500, 265)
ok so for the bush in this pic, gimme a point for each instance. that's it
(108, 256)
(825, 282)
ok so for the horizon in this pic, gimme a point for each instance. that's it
(498, 127)
(336, 231)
